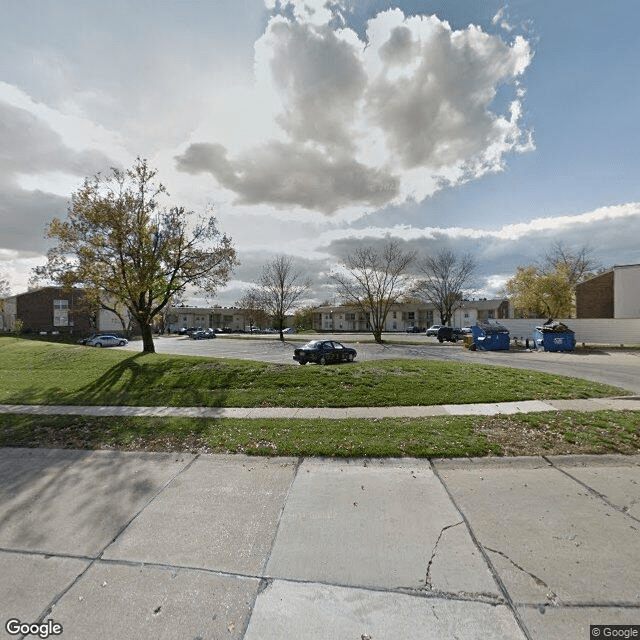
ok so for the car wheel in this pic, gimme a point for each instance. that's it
(350, 357)
(122, 343)
(454, 339)
(98, 344)
(302, 362)
(440, 340)
(322, 360)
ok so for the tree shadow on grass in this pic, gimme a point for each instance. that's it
(135, 381)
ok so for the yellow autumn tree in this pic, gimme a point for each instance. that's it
(128, 251)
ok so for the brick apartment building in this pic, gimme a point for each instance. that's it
(49, 309)
(613, 294)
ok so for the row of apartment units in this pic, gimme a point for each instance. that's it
(412, 314)
(612, 294)
(54, 310)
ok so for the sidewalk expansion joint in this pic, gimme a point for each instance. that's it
(47, 611)
(480, 597)
(160, 490)
(492, 570)
(46, 554)
(581, 605)
(265, 582)
(624, 510)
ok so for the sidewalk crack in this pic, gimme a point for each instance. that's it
(552, 597)
(427, 581)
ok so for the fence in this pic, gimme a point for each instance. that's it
(614, 331)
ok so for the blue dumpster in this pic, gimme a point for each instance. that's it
(490, 337)
(554, 336)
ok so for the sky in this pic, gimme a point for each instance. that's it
(313, 127)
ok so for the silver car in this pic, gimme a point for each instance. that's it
(107, 341)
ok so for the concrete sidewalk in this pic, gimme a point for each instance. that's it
(525, 406)
(126, 545)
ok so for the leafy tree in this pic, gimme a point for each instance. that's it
(130, 254)
(534, 293)
(279, 288)
(18, 327)
(303, 317)
(373, 281)
(547, 289)
(445, 278)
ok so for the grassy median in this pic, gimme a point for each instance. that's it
(35, 372)
(549, 433)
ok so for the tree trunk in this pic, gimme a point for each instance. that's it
(377, 336)
(147, 338)
(281, 327)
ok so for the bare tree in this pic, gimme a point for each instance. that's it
(445, 278)
(4, 290)
(252, 308)
(279, 288)
(578, 263)
(372, 281)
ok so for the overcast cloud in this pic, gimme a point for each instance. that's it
(313, 126)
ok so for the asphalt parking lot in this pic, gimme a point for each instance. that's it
(615, 366)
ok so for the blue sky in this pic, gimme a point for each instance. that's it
(483, 126)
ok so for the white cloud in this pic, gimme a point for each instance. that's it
(557, 224)
(370, 122)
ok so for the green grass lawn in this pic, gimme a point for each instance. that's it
(35, 372)
(548, 433)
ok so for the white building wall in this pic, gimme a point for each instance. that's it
(626, 291)
(8, 315)
(109, 321)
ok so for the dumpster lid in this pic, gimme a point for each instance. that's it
(488, 327)
(554, 326)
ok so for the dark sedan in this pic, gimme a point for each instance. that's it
(324, 352)
(450, 334)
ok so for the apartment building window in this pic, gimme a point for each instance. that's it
(60, 313)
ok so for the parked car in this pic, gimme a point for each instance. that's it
(450, 334)
(202, 334)
(433, 329)
(324, 352)
(183, 331)
(107, 341)
(414, 330)
(466, 331)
